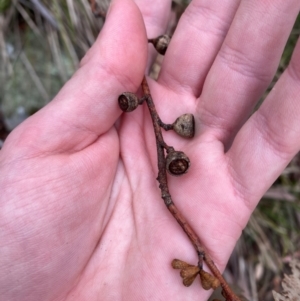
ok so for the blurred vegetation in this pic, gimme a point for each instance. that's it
(41, 44)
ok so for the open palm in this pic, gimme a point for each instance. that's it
(80, 210)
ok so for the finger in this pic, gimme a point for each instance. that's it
(195, 43)
(86, 107)
(269, 139)
(156, 16)
(245, 65)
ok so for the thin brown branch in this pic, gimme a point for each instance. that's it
(165, 194)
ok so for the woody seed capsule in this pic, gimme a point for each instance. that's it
(161, 43)
(177, 163)
(184, 125)
(128, 101)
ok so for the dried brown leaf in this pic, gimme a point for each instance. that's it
(179, 264)
(290, 284)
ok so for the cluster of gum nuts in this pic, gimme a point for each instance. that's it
(177, 163)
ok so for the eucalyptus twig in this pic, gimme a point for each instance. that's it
(176, 163)
(163, 185)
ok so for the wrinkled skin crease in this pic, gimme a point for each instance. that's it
(81, 215)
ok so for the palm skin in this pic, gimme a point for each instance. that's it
(81, 214)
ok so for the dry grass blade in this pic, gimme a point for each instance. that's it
(34, 77)
(72, 13)
(60, 16)
(280, 193)
(270, 257)
(6, 67)
(29, 21)
(56, 52)
(45, 13)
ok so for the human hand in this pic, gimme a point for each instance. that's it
(81, 214)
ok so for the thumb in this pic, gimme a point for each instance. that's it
(86, 106)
